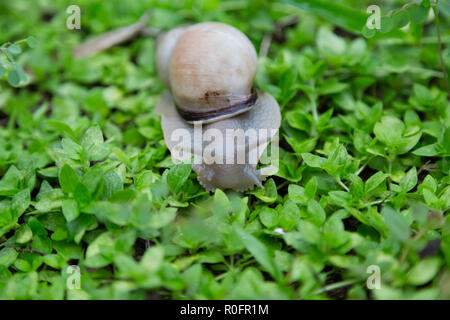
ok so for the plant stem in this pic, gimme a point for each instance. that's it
(283, 184)
(339, 181)
(357, 173)
(406, 6)
(314, 107)
(335, 286)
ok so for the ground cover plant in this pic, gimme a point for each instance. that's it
(88, 188)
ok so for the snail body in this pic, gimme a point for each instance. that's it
(208, 69)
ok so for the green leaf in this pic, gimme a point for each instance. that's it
(401, 18)
(153, 258)
(329, 44)
(289, 215)
(23, 234)
(94, 145)
(409, 180)
(418, 14)
(310, 231)
(14, 49)
(31, 42)
(343, 16)
(389, 131)
(374, 181)
(22, 265)
(332, 86)
(269, 217)
(14, 78)
(316, 213)
(99, 251)
(259, 251)
(54, 260)
(269, 193)
(20, 202)
(81, 195)
(424, 271)
(70, 209)
(68, 179)
(162, 217)
(8, 256)
(178, 175)
(221, 204)
(386, 24)
(397, 223)
(340, 198)
(313, 160)
(297, 194)
(311, 188)
(368, 33)
(430, 150)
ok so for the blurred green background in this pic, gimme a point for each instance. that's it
(86, 179)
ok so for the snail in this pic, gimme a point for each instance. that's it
(208, 70)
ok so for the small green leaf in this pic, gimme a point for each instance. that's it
(22, 265)
(81, 195)
(289, 215)
(23, 234)
(311, 188)
(14, 78)
(397, 223)
(31, 42)
(8, 256)
(14, 49)
(389, 131)
(269, 217)
(409, 180)
(316, 213)
(153, 259)
(259, 251)
(386, 24)
(418, 13)
(430, 150)
(401, 18)
(424, 271)
(374, 181)
(68, 179)
(70, 209)
(20, 202)
(54, 260)
(269, 193)
(346, 17)
(178, 175)
(368, 33)
(313, 160)
(221, 204)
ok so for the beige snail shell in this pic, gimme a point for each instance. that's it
(208, 69)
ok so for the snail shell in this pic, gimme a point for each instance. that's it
(209, 67)
(209, 70)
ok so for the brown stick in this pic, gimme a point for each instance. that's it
(110, 38)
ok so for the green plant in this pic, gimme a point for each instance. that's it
(8, 50)
(86, 179)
